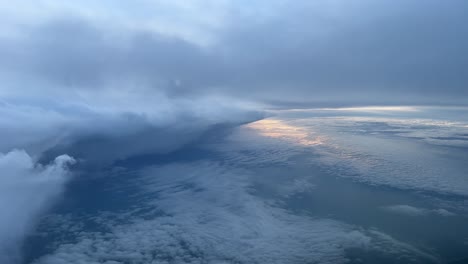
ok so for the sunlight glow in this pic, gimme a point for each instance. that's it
(279, 129)
(376, 109)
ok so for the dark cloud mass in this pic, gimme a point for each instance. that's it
(372, 52)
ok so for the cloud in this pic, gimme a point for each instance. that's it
(377, 53)
(203, 213)
(365, 147)
(103, 95)
(206, 212)
(409, 210)
(443, 212)
(406, 210)
(97, 94)
(26, 190)
(109, 125)
(96, 127)
(110, 80)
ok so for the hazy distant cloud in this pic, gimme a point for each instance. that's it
(409, 210)
(406, 210)
(346, 141)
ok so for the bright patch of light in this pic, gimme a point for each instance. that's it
(279, 129)
(375, 109)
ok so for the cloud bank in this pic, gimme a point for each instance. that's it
(206, 212)
(109, 126)
(96, 128)
(105, 81)
(26, 190)
(328, 52)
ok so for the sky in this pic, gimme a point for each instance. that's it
(92, 82)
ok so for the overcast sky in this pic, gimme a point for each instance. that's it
(93, 82)
(320, 52)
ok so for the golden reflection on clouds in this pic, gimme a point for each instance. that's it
(279, 129)
(369, 109)
(376, 109)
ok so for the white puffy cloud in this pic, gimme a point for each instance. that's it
(26, 190)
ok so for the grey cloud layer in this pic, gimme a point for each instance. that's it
(354, 52)
(26, 190)
(107, 80)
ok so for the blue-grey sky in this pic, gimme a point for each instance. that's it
(319, 52)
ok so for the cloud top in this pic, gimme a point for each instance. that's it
(26, 190)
